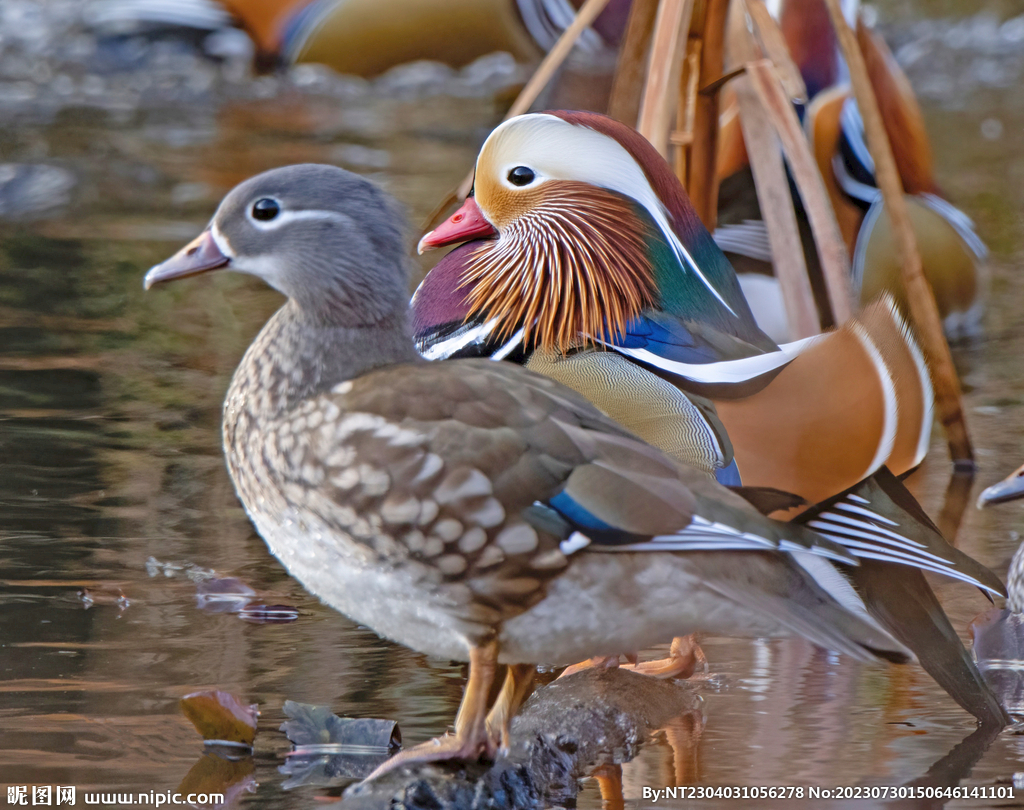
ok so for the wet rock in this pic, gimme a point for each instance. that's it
(566, 729)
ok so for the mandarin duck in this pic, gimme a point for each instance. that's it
(951, 251)
(591, 267)
(468, 509)
(1009, 489)
(367, 37)
(998, 634)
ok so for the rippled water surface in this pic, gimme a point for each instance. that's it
(114, 500)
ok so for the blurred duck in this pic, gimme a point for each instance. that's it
(951, 251)
(1009, 489)
(998, 634)
(592, 268)
(366, 37)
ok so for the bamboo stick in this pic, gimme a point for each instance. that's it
(769, 36)
(689, 86)
(628, 83)
(664, 66)
(920, 298)
(777, 209)
(703, 186)
(835, 263)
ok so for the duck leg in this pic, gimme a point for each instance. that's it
(470, 739)
(683, 659)
(517, 687)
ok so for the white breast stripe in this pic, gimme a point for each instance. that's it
(508, 348)
(459, 340)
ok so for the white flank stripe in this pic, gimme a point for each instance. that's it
(726, 371)
(888, 439)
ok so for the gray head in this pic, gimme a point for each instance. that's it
(328, 239)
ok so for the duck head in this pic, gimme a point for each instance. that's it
(583, 226)
(322, 236)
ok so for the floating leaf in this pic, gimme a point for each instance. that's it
(317, 726)
(221, 716)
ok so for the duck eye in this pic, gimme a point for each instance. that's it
(521, 176)
(265, 209)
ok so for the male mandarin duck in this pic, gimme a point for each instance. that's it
(951, 251)
(366, 37)
(469, 509)
(592, 267)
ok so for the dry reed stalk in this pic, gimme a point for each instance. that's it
(776, 203)
(835, 263)
(703, 185)
(769, 36)
(664, 66)
(628, 83)
(920, 298)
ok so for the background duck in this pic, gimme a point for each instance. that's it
(951, 251)
(998, 634)
(366, 37)
(469, 509)
(599, 274)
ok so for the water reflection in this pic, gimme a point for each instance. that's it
(109, 434)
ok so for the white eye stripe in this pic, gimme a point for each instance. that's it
(287, 217)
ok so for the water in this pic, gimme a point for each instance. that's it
(109, 434)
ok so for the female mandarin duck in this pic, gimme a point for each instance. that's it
(951, 251)
(470, 509)
(600, 275)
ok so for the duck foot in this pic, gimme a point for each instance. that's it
(471, 739)
(439, 749)
(684, 656)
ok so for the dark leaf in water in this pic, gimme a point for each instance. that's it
(215, 773)
(269, 614)
(223, 595)
(999, 650)
(221, 716)
(311, 725)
